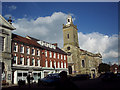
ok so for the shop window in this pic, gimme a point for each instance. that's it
(24, 74)
(19, 74)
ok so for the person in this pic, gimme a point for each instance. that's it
(28, 79)
(64, 82)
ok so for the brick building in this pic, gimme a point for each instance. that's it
(39, 58)
(115, 68)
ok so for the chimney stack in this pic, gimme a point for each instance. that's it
(55, 44)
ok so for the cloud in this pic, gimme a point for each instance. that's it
(96, 42)
(49, 29)
(7, 16)
(12, 7)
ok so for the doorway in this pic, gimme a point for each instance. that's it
(70, 69)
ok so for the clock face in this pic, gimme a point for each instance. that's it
(68, 48)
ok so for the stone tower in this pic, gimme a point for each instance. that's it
(70, 34)
(71, 45)
(79, 61)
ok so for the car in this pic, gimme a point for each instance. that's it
(81, 77)
(108, 76)
(50, 79)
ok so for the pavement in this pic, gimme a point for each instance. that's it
(81, 84)
(97, 83)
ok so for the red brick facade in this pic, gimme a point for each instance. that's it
(60, 62)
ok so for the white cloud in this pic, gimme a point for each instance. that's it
(49, 29)
(12, 7)
(96, 42)
(8, 15)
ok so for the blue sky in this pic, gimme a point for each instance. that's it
(91, 16)
(97, 23)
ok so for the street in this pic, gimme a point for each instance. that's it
(91, 83)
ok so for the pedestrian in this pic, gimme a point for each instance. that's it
(28, 80)
(64, 82)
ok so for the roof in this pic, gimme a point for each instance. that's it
(24, 40)
(91, 54)
(31, 38)
(20, 39)
(4, 23)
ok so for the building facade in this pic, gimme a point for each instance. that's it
(79, 61)
(5, 49)
(36, 57)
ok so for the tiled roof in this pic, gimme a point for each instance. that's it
(24, 40)
(31, 42)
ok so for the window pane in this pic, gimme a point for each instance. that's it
(19, 74)
(33, 51)
(15, 58)
(27, 50)
(32, 61)
(22, 49)
(21, 60)
(24, 74)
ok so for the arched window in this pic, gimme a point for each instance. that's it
(68, 36)
(83, 63)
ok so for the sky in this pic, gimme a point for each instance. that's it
(97, 23)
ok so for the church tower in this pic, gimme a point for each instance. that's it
(70, 34)
(79, 61)
(71, 45)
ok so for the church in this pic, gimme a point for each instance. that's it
(79, 61)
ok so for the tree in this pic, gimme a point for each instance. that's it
(103, 67)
